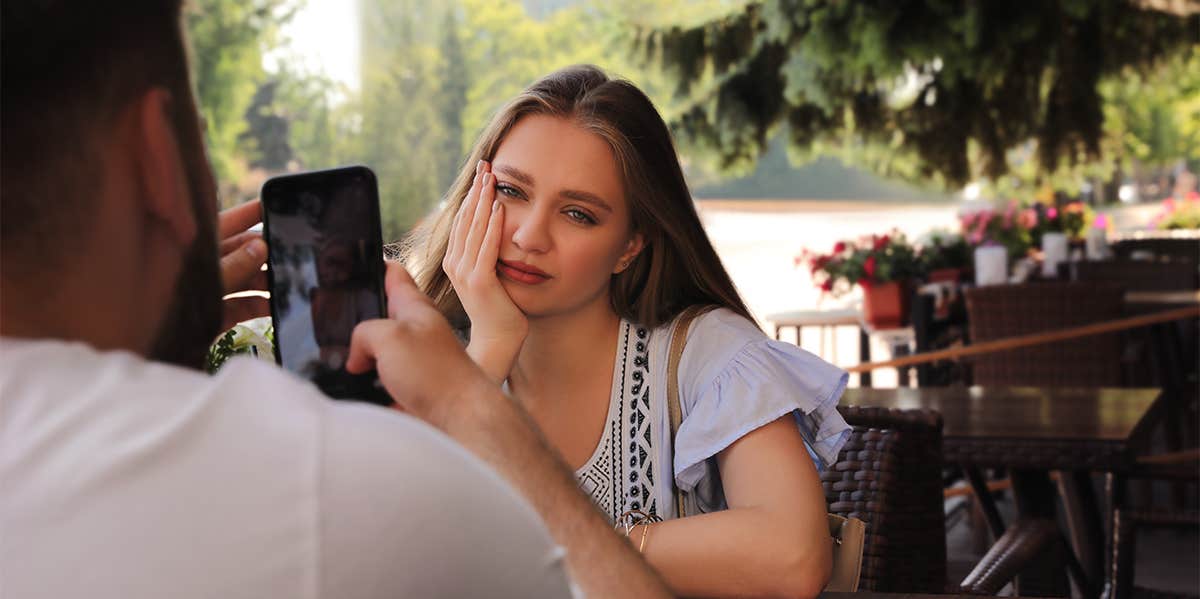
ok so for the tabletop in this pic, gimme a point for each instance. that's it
(1044, 428)
(879, 595)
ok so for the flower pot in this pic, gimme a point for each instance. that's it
(1054, 252)
(946, 275)
(886, 305)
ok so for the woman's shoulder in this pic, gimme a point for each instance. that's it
(724, 345)
(715, 339)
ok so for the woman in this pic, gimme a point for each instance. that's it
(568, 246)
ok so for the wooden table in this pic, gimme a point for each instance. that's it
(878, 595)
(1031, 431)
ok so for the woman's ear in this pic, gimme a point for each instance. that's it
(165, 189)
(632, 248)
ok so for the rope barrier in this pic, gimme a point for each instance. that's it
(1011, 343)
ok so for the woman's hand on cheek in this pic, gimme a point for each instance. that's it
(498, 327)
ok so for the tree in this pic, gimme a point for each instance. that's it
(227, 40)
(400, 134)
(932, 90)
(453, 97)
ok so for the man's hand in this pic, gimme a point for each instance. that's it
(243, 254)
(419, 360)
(429, 375)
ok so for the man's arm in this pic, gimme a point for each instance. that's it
(425, 369)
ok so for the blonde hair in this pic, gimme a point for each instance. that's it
(678, 266)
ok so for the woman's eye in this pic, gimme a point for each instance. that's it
(508, 190)
(580, 216)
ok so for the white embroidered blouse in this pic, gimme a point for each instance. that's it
(732, 379)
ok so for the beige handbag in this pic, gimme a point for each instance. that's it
(848, 534)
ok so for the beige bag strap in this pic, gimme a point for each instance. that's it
(679, 335)
(849, 537)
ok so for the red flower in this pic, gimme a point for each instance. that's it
(827, 285)
(881, 242)
(869, 266)
(839, 247)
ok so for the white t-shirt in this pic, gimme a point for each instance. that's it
(121, 477)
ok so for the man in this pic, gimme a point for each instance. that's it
(125, 472)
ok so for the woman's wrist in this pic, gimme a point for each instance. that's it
(495, 356)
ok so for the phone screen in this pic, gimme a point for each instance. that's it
(325, 269)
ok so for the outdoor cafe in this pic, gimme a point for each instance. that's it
(610, 298)
(1061, 384)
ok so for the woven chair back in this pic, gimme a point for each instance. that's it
(1142, 275)
(889, 476)
(1005, 311)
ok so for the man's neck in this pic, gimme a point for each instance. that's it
(67, 308)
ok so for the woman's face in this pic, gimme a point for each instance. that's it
(566, 222)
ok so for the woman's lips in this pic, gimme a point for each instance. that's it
(521, 272)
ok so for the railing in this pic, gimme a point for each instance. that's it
(1011, 343)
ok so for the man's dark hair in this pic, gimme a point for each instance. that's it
(69, 68)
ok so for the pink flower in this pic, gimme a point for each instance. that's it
(981, 226)
(1052, 213)
(1101, 221)
(1028, 218)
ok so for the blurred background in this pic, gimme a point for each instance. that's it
(800, 123)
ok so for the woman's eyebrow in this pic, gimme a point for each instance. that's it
(516, 173)
(581, 196)
(587, 198)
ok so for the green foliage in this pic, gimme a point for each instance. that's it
(926, 90)
(452, 99)
(945, 250)
(219, 353)
(227, 40)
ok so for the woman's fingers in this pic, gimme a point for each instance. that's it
(462, 223)
(479, 224)
(489, 253)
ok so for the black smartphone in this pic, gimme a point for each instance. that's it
(325, 273)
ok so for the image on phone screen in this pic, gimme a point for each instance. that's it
(326, 270)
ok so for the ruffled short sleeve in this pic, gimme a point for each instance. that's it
(758, 383)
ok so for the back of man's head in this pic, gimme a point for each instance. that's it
(69, 67)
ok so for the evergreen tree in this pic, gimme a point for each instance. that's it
(923, 89)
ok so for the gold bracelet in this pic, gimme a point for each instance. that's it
(630, 519)
(645, 533)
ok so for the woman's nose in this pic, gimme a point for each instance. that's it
(530, 230)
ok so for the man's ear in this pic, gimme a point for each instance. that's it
(632, 248)
(164, 177)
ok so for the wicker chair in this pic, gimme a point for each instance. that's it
(889, 476)
(1127, 519)
(1136, 275)
(1010, 310)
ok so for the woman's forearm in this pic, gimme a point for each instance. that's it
(746, 552)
